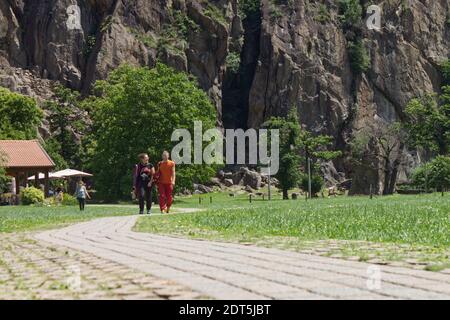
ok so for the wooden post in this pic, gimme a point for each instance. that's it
(46, 184)
(36, 179)
(210, 200)
(250, 198)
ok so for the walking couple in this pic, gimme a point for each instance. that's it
(146, 176)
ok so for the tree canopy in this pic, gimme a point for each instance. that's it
(297, 145)
(289, 173)
(19, 116)
(136, 110)
(433, 175)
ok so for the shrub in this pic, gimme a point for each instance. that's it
(233, 62)
(445, 69)
(69, 200)
(249, 7)
(359, 57)
(215, 13)
(322, 14)
(275, 12)
(32, 195)
(433, 175)
(316, 184)
(350, 12)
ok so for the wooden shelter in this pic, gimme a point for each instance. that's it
(22, 158)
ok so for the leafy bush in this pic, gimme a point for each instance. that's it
(359, 57)
(433, 175)
(32, 195)
(69, 200)
(89, 45)
(215, 13)
(184, 24)
(316, 184)
(445, 69)
(233, 62)
(428, 124)
(274, 12)
(249, 7)
(323, 15)
(350, 12)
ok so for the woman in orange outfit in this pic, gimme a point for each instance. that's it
(166, 182)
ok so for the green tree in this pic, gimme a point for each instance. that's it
(136, 110)
(297, 145)
(289, 173)
(19, 116)
(428, 123)
(433, 175)
(316, 148)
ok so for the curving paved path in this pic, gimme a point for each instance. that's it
(233, 271)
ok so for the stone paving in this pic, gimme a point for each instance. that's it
(236, 271)
(32, 269)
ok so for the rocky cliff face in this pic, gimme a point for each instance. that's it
(291, 53)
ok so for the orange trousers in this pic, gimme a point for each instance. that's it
(165, 196)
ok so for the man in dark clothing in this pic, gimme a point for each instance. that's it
(143, 182)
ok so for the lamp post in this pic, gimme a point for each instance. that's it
(309, 178)
(269, 182)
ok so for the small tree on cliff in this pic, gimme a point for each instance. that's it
(289, 174)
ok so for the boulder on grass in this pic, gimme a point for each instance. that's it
(248, 189)
(202, 189)
(216, 182)
(252, 179)
(228, 183)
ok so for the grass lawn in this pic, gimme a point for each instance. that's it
(405, 219)
(21, 218)
(396, 225)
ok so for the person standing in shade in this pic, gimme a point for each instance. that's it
(166, 182)
(143, 183)
(81, 194)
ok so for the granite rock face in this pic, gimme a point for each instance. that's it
(292, 53)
